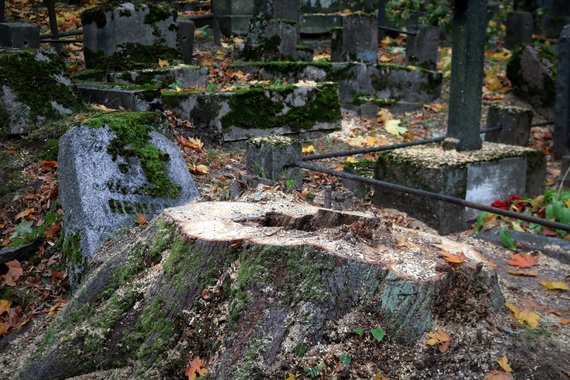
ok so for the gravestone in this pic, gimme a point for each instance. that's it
(562, 119)
(20, 35)
(468, 46)
(269, 157)
(421, 49)
(519, 29)
(34, 88)
(532, 71)
(509, 125)
(123, 36)
(113, 167)
(357, 40)
(556, 16)
(234, 15)
(186, 30)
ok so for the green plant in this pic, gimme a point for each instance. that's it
(313, 372)
(378, 333)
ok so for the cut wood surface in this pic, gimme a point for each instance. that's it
(249, 287)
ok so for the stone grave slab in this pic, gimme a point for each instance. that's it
(113, 167)
(120, 96)
(234, 117)
(33, 89)
(128, 35)
(19, 35)
(494, 172)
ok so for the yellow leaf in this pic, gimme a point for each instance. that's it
(309, 149)
(162, 63)
(504, 363)
(524, 316)
(290, 376)
(379, 376)
(5, 306)
(514, 272)
(351, 160)
(198, 169)
(371, 141)
(393, 128)
(567, 203)
(555, 285)
(517, 227)
(439, 337)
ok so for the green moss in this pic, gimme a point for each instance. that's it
(132, 139)
(75, 260)
(380, 102)
(33, 83)
(11, 175)
(252, 108)
(364, 168)
(159, 12)
(304, 48)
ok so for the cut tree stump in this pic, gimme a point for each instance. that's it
(246, 287)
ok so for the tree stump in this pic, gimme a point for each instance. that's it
(246, 286)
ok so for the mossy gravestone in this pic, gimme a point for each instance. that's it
(33, 89)
(112, 168)
(127, 35)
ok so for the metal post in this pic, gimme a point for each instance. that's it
(50, 4)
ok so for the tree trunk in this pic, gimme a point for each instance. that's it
(248, 287)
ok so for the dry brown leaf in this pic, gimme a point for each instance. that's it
(440, 338)
(379, 376)
(26, 212)
(565, 321)
(14, 273)
(454, 259)
(198, 169)
(162, 63)
(51, 232)
(524, 316)
(195, 368)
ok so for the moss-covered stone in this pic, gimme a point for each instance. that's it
(131, 56)
(132, 130)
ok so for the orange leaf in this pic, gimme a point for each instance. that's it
(49, 165)
(5, 306)
(522, 261)
(141, 219)
(198, 169)
(453, 259)
(531, 273)
(4, 328)
(15, 271)
(194, 368)
(498, 375)
(565, 321)
(26, 212)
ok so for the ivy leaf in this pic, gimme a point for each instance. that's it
(507, 240)
(345, 359)
(378, 333)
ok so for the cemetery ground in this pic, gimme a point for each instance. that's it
(529, 341)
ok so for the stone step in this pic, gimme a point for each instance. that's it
(234, 117)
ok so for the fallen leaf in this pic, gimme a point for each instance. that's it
(351, 160)
(191, 143)
(440, 338)
(522, 273)
(379, 376)
(522, 261)
(4, 328)
(555, 285)
(384, 115)
(5, 306)
(504, 363)
(290, 376)
(51, 232)
(26, 212)
(498, 375)
(454, 259)
(378, 333)
(565, 321)
(195, 368)
(162, 63)
(393, 127)
(198, 169)
(524, 316)
(15, 271)
(308, 149)
(140, 219)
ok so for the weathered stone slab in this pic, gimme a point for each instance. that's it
(129, 35)
(116, 96)
(532, 70)
(269, 157)
(357, 40)
(112, 167)
(410, 87)
(183, 76)
(421, 49)
(19, 35)
(33, 89)
(519, 29)
(477, 176)
(234, 117)
(509, 125)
